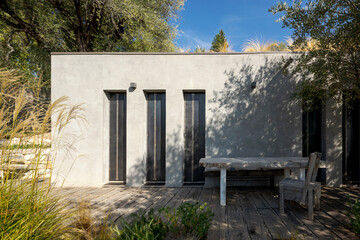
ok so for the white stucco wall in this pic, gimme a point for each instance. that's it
(240, 121)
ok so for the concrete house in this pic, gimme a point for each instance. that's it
(152, 116)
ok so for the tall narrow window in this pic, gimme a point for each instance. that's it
(194, 137)
(311, 131)
(156, 129)
(351, 142)
(117, 164)
(312, 139)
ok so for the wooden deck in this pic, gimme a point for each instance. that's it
(251, 213)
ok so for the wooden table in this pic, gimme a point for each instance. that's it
(256, 163)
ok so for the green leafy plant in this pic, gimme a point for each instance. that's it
(354, 215)
(143, 226)
(189, 219)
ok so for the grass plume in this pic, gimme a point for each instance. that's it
(28, 209)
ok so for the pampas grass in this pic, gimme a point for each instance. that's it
(28, 209)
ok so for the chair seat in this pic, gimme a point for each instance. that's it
(298, 184)
(300, 190)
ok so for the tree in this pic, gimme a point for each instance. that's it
(219, 44)
(331, 68)
(34, 28)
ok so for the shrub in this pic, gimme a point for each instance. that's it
(189, 220)
(355, 215)
(143, 226)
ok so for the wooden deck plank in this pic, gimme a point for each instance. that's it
(237, 228)
(337, 215)
(258, 200)
(193, 195)
(351, 190)
(164, 201)
(317, 228)
(104, 192)
(95, 201)
(274, 223)
(296, 227)
(205, 195)
(218, 228)
(255, 224)
(271, 198)
(130, 205)
(178, 198)
(341, 198)
(143, 203)
(341, 195)
(339, 203)
(116, 201)
(213, 232)
(334, 226)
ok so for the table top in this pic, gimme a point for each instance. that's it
(259, 163)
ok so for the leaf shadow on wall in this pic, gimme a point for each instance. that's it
(247, 122)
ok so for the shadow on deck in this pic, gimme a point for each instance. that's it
(251, 213)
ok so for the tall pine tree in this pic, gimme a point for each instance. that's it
(218, 42)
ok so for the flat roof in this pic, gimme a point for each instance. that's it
(168, 53)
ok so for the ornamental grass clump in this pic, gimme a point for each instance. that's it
(28, 208)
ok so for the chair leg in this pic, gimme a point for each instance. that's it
(281, 198)
(317, 198)
(310, 204)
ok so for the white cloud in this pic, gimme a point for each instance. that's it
(194, 40)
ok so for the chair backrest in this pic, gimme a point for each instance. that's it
(312, 169)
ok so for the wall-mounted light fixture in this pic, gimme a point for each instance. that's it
(253, 85)
(133, 85)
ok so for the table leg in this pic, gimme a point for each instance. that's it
(302, 174)
(223, 186)
(287, 172)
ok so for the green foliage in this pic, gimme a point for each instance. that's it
(31, 29)
(332, 67)
(144, 226)
(355, 215)
(219, 42)
(189, 220)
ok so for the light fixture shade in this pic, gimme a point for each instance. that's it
(133, 85)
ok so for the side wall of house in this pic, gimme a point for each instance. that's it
(240, 120)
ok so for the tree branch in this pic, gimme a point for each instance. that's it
(9, 41)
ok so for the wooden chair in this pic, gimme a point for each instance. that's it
(298, 190)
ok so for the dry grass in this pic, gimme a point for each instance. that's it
(28, 210)
(87, 227)
(310, 45)
(256, 45)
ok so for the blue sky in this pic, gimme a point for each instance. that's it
(241, 20)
